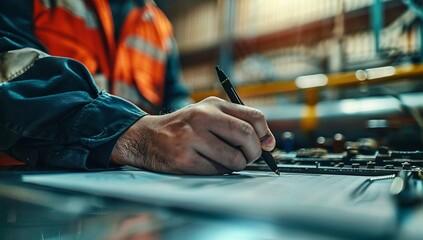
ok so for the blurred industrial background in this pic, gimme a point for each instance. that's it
(324, 72)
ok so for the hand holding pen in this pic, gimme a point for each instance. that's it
(210, 137)
(233, 96)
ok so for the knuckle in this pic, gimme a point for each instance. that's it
(212, 100)
(257, 115)
(246, 129)
(199, 113)
(238, 161)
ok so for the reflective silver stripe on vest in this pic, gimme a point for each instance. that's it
(101, 82)
(16, 62)
(128, 92)
(143, 46)
(76, 7)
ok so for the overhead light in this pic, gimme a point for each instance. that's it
(355, 106)
(311, 81)
(374, 73)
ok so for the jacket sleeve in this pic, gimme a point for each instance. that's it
(51, 112)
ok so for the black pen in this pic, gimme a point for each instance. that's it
(233, 96)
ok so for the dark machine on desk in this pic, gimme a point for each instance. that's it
(352, 161)
(358, 158)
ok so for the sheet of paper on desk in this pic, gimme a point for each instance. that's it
(319, 200)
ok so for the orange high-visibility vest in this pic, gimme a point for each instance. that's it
(132, 67)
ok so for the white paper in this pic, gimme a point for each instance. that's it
(322, 201)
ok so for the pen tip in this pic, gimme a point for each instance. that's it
(277, 172)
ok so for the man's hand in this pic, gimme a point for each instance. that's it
(209, 137)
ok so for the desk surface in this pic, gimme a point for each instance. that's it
(30, 211)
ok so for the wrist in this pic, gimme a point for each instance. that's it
(131, 147)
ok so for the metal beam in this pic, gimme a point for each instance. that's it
(377, 23)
